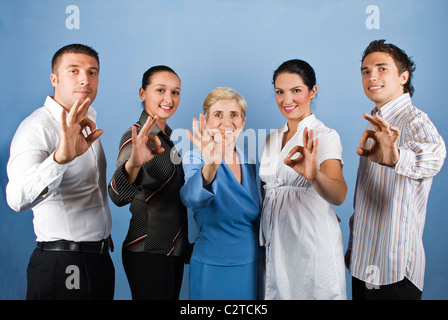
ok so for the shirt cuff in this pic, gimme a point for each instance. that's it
(405, 164)
(50, 173)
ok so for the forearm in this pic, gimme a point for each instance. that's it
(332, 190)
(193, 193)
(209, 173)
(131, 171)
(32, 178)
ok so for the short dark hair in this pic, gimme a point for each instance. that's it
(402, 60)
(299, 67)
(73, 48)
(146, 80)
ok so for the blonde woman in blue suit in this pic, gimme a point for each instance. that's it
(221, 189)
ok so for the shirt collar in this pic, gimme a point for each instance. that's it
(55, 109)
(394, 107)
(302, 124)
(144, 116)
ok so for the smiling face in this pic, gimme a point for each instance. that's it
(380, 78)
(226, 116)
(162, 95)
(293, 96)
(76, 78)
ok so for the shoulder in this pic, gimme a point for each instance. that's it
(322, 131)
(38, 128)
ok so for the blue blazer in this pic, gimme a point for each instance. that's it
(226, 212)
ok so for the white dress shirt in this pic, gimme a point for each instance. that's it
(390, 203)
(299, 229)
(76, 207)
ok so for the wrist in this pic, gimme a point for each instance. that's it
(58, 159)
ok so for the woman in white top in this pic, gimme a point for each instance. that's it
(301, 173)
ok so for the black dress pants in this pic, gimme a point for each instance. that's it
(153, 277)
(70, 276)
(402, 290)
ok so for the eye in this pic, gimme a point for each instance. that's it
(176, 93)
(296, 91)
(235, 115)
(160, 90)
(278, 91)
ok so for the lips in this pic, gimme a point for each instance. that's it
(83, 91)
(375, 88)
(166, 108)
(289, 108)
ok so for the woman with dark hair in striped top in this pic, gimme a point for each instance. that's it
(146, 177)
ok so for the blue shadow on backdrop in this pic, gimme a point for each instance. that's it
(218, 43)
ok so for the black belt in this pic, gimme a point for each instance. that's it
(99, 247)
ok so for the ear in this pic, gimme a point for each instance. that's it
(313, 92)
(141, 93)
(404, 77)
(54, 79)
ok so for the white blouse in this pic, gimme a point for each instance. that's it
(299, 229)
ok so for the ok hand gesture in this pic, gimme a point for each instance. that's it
(145, 146)
(306, 162)
(383, 149)
(72, 141)
(208, 141)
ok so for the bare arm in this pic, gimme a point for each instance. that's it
(328, 181)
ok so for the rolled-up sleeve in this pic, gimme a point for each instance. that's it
(423, 153)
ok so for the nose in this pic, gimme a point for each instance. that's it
(373, 75)
(226, 121)
(287, 98)
(83, 77)
(167, 98)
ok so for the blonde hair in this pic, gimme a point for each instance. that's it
(221, 93)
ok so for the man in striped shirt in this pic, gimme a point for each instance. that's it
(401, 151)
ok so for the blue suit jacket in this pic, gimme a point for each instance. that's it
(226, 212)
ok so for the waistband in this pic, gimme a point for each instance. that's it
(100, 247)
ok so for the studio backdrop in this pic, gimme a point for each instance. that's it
(211, 43)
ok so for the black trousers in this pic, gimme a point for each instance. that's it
(402, 290)
(153, 277)
(70, 276)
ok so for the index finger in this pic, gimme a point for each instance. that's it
(81, 111)
(149, 125)
(364, 136)
(378, 123)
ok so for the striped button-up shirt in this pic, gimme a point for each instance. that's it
(386, 228)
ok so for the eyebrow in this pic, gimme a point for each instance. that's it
(164, 85)
(376, 65)
(296, 87)
(78, 66)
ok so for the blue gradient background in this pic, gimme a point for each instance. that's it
(218, 43)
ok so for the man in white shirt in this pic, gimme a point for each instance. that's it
(57, 168)
(401, 151)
